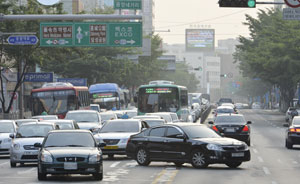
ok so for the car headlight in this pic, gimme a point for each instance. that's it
(8, 140)
(214, 147)
(123, 140)
(246, 146)
(46, 157)
(94, 158)
(16, 146)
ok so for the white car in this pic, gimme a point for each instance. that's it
(105, 116)
(288, 114)
(86, 119)
(7, 127)
(22, 148)
(165, 115)
(115, 133)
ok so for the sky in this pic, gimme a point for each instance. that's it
(178, 15)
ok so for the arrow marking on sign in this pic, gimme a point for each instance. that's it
(49, 42)
(79, 35)
(131, 42)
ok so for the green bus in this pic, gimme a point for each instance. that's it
(162, 96)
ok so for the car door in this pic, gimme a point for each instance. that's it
(156, 143)
(175, 145)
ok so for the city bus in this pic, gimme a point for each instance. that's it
(162, 96)
(108, 95)
(58, 98)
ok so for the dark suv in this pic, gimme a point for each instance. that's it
(225, 100)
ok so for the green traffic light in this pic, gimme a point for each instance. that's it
(251, 3)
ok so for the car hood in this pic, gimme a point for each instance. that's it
(71, 151)
(221, 141)
(29, 141)
(4, 135)
(88, 125)
(114, 135)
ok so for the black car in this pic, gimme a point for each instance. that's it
(70, 152)
(293, 133)
(225, 100)
(186, 143)
(233, 126)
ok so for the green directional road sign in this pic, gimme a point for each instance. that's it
(128, 4)
(124, 34)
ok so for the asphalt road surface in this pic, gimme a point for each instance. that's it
(271, 163)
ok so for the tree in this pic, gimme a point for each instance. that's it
(272, 51)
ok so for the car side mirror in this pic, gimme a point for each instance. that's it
(249, 122)
(102, 144)
(180, 136)
(285, 125)
(12, 136)
(210, 122)
(37, 145)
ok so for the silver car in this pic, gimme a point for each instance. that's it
(22, 149)
(115, 133)
(86, 119)
(7, 127)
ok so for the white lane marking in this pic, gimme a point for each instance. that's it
(27, 171)
(255, 150)
(266, 170)
(295, 162)
(115, 164)
(131, 164)
(4, 163)
(260, 159)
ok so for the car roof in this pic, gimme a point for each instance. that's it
(59, 120)
(154, 120)
(230, 114)
(124, 120)
(224, 107)
(82, 111)
(6, 120)
(181, 124)
(296, 117)
(26, 120)
(70, 131)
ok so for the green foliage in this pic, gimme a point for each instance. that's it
(272, 52)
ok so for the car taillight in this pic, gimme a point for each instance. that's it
(294, 130)
(245, 129)
(215, 128)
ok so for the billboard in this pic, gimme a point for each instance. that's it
(199, 39)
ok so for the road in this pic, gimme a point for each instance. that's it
(271, 163)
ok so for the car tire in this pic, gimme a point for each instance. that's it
(142, 157)
(233, 164)
(13, 164)
(110, 156)
(288, 145)
(41, 176)
(98, 176)
(178, 164)
(198, 159)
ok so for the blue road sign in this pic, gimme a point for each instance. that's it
(22, 40)
(74, 81)
(38, 77)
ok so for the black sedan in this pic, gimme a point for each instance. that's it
(186, 143)
(232, 125)
(293, 133)
(70, 152)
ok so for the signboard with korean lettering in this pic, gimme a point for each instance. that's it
(128, 4)
(122, 34)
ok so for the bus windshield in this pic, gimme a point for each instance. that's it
(54, 102)
(106, 100)
(158, 99)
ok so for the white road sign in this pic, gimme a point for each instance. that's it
(291, 14)
(292, 3)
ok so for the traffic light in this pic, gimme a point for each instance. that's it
(237, 3)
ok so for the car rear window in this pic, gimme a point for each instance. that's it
(230, 119)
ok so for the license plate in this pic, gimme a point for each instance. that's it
(230, 130)
(30, 153)
(111, 147)
(70, 166)
(238, 154)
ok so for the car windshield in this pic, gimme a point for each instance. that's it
(69, 139)
(153, 123)
(6, 127)
(120, 126)
(225, 110)
(229, 119)
(105, 117)
(199, 132)
(65, 125)
(166, 117)
(83, 117)
(36, 130)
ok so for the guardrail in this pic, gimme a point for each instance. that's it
(205, 114)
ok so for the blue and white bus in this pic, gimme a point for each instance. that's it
(108, 95)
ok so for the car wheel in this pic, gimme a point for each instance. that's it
(41, 176)
(233, 164)
(178, 164)
(98, 176)
(142, 157)
(288, 145)
(13, 164)
(110, 156)
(198, 159)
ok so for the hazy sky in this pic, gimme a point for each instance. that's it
(178, 15)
